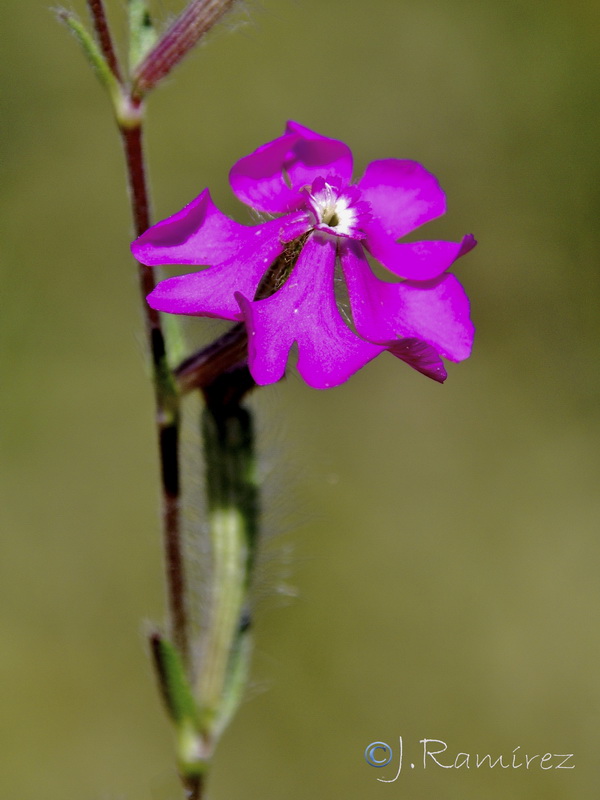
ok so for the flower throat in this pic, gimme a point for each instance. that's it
(281, 269)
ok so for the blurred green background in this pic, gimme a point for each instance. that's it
(445, 538)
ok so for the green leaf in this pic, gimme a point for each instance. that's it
(173, 682)
(174, 334)
(142, 34)
(92, 52)
(194, 744)
(236, 681)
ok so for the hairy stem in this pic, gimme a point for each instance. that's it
(167, 399)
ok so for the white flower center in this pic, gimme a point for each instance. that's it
(333, 210)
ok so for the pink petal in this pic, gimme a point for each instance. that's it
(435, 312)
(304, 311)
(315, 156)
(417, 261)
(211, 293)
(270, 178)
(402, 194)
(198, 234)
(258, 179)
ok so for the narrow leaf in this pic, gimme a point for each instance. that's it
(173, 682)
(92, 51)
(236, 680)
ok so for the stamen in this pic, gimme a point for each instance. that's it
(337, 209)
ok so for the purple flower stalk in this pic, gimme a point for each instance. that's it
(279, 277)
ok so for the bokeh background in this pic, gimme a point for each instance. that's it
(445, 538)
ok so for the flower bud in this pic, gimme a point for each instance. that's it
(179, 39)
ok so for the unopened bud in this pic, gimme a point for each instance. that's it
(198, 18)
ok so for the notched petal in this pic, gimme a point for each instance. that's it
(435, 312)
(211, 293)
(270, 178)
(304, 311)
(316, 156)
(416, 261)
(258, 179)
(198, 234)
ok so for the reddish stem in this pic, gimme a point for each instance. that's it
(203, 368)
(98, 14)
(194, 787)
(166, 400)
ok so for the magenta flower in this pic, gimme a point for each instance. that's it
(279, 276)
